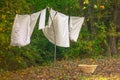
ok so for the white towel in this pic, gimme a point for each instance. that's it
(58, 32)
(42, 19)
(33, 20)
(75, 27)
(20, 31)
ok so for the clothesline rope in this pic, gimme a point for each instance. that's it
(60, 29)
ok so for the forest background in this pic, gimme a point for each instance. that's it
(99, 36)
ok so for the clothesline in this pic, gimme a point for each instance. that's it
(28, 22)
(59, 30)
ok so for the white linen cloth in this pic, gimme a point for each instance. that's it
(51, 17)
(75, 27)
(33, 20)
(57, 31)
(22, 29)
(42, 19)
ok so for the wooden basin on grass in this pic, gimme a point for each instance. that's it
(87, 68)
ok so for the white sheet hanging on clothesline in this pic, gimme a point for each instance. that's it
(75, 27)
(42, 19)
(21, 31)
(57, 31)
(23, 28)
(61, 30)
(33, 20)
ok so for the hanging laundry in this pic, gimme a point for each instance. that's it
(42, 19)
(20, 32)
(51, 17)
(33, 20)
(75, 27)
(57, 31)
(22, 29)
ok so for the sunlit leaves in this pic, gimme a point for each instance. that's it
(95, 6)
(3, 16)
(86, 1)
(102, 7)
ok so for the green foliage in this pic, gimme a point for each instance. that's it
(12, 58)
(41, 51)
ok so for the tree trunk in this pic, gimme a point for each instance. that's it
(83, 13)
(91, 14)
(113, 39)
(117, 22)
(81, 6)
(113, 46)
(89, 24)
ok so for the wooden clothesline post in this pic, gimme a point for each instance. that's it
(54, 40)
(54, 37)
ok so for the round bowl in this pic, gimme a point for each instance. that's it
(87, 68)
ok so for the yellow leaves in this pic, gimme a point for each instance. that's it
(84, 8)
(1, 29)
(119, 48)
(86, 1)
(95, 6)
(3, 16)
(11, 23)
(8, 12)
(102, 7)
(17, 11)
